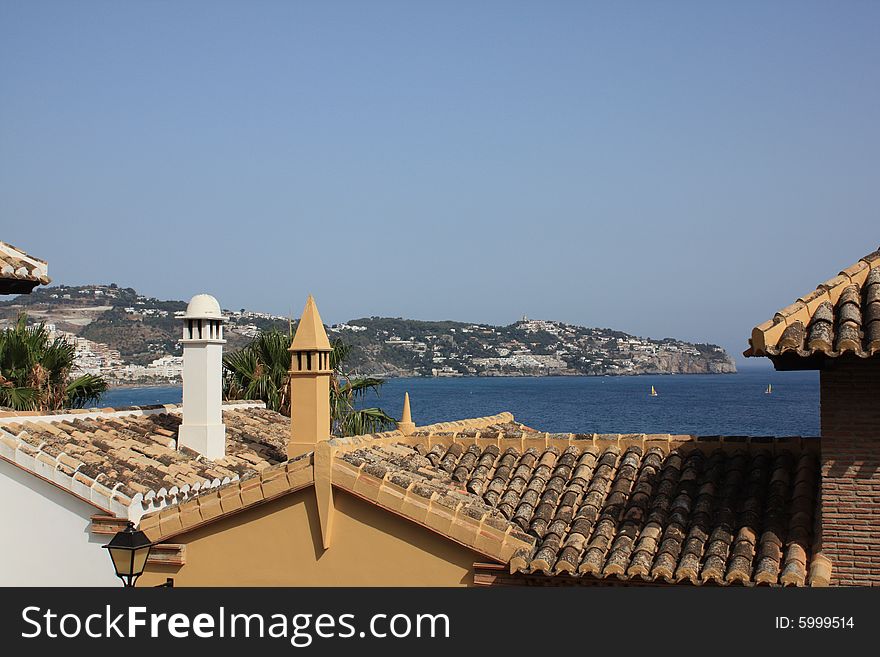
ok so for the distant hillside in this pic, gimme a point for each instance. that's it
(140, 328)
(528, 347)
(143, 329)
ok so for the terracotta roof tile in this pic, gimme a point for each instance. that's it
(842, 316)
(125, 460)
(671, 509)
(19, 272)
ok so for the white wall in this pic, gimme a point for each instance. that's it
(44, 535)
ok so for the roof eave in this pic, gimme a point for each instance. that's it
(18, 286)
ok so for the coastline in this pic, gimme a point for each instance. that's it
(387, 377)
(522, 375)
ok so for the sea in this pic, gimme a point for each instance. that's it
(702, 404)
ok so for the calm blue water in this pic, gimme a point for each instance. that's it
(726, 404)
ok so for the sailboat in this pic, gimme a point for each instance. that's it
(653, 392)
(769, 390)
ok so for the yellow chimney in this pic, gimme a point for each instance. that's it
(309, 383)
(406, 425)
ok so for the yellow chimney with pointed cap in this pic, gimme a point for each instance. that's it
(406, 425)
(309, 383)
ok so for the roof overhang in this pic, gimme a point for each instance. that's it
(841, 317)
(20, 273)
(792, 361)
(15, 286)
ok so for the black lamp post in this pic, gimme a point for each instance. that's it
(129, 550)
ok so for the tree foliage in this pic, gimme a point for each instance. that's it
(36, 371)
(260, 371)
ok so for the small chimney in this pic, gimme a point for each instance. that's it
(406, 425)
(310, 373)
(202, 429)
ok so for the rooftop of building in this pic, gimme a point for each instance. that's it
(573, 508)
(840, 317)
(20, 272)
(585, 507)
(125, 461)
(557, 507)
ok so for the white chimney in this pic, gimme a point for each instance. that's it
(202, 429)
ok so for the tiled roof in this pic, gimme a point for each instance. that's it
(841, 316)
(398, 477)
(564, 508)
(126, 461)
(208, 505)
(646, 508)
(20, 272)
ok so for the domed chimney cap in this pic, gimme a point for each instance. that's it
(203, 306)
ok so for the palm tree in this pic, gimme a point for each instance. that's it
(347, 419)
(259, 370)
(35, 371)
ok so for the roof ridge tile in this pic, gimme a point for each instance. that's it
(838, 317)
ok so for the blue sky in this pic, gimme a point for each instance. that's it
(667, 169)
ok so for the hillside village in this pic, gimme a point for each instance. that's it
(525, 348)
(122, 335)
(130, 338)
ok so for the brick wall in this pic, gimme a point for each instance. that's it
(850, 417)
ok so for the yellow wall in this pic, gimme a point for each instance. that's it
(279, 544)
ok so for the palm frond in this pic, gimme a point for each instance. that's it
(339, 353)
(358, 388)
(365, 420)
(18, 398)
(260, 370)
(84, 390)
(35, 370)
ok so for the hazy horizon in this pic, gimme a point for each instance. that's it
(669, 170)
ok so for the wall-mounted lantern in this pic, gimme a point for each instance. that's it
(129, 550)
